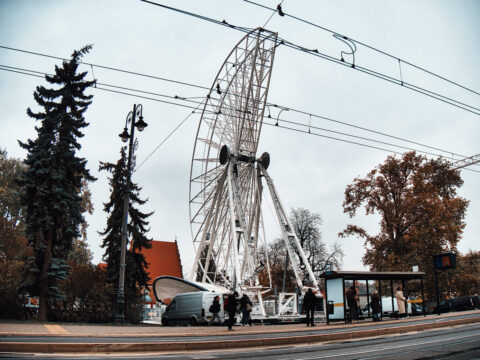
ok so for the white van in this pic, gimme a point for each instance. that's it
(192, 308)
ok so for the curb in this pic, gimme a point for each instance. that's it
(219, 345)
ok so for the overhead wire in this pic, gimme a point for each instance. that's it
(169, 135)
(315, 52)
(208, 89)
(285, 14)
(345, 141)
(105, 67)
(212, 112)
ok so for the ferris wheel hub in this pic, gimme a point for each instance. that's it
(225, 156)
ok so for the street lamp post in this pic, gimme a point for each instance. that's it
(125, 136)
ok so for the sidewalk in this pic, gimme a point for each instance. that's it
(34, 328)
(206, 335)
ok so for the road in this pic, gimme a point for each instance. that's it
(452, 337)
(458, 343)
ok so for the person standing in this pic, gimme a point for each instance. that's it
(245, 308)
(232, 309)
(309, 303)
(375, 301)
(215, 309)
(400, 302)
(405, 295)
(352, 304)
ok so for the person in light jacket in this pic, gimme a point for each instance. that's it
(400, 302)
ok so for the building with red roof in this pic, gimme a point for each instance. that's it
(163, 258)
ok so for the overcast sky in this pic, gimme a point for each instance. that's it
(309, 171)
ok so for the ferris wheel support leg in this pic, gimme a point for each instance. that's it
(260, 303)
(213, 234)
(233, 229)
(260, 221)
(289, 233)
(203, 241)
(247, 266)
(256, 221)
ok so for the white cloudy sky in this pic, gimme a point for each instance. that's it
(309, 171)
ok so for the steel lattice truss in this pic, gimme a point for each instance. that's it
(225, 178)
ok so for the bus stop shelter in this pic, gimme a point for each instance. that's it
(337, 283)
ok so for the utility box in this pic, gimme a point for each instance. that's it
(330, 307)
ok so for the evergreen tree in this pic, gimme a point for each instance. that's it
(52, 181)
(136, 275)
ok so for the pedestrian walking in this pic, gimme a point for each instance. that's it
(245, 308)
(376, 310)
(400, 302)
(309, 304)
(352, 304)
(231, 307)
(215, 309)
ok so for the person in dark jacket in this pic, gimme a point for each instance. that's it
(375, 302)
(232, 309)
(215, 309)
(352, 304)
(245, 308)
(309, 303)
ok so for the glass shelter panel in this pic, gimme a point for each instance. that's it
(335, 293)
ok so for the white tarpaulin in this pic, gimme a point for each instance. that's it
(166, 287)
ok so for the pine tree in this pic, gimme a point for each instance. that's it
(52, 181)
(136, 275)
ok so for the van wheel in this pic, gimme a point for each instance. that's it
(192, 321)
(165, 322)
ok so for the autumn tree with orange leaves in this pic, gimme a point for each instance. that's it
(465, 278)
(421, 214)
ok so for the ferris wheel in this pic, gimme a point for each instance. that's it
(226, 175)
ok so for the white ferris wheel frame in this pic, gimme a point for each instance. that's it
(226, 177)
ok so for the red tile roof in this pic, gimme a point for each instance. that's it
(163, 259)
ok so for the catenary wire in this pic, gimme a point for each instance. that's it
(342, 140)
(170, 134)
(205, 88)
(288, 44)
(105, 67)
(37, 74)
(363, 44)
(268, 105)
(316, 53)
(265, 122)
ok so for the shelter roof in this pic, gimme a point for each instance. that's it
(370, 275)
